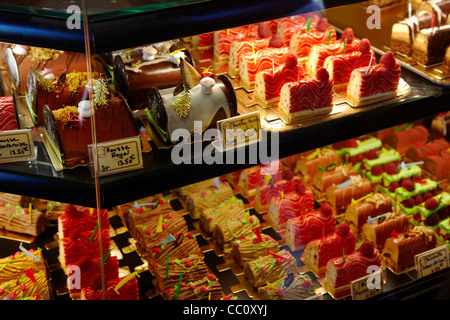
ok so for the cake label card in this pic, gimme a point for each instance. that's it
(16, 145)
(368, 286)
(432, 261)
(240, 130)
(118, 156)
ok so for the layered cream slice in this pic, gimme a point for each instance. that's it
(306, 98)
(268, 83)
(375, 81)
(341, 66)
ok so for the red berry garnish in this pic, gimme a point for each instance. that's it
(431, 204)
(276, 41)
(418, 199)
(417, 177)
(322, 25)
(326, 209)
(291, 61)
(388, 59)
(390, 168)
(443, 213)
(426, 196)
(350, 143)
(360, 157)
(409, 203)
(71, 211)
(367, 249)
(364, 45)
(343, 230)
(300, 188)
(393, 186)
(376, 170)
(264, 30)
(322, 74)
(432, 220)
(288, 175)
(372, 154)
(338, 145)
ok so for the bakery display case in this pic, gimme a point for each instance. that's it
(348, 172)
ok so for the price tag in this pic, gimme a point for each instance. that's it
(368, 286)
(240, 130)
(118, 156)
(431, 261)
(16, 145)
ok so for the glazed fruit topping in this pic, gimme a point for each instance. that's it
(367, 249)
(326, 209)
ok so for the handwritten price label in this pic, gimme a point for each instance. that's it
(16, 145)
(118, 156)
(432, 261)
(240, 130)
(368, 286)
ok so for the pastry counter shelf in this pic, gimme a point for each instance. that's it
(175, 20)
(39, 179)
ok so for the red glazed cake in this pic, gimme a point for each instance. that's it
(266, 192)
(203, 41)
(341, 66)
(307, 227)
(8, 115)
(264, 59)
(376, 81)
(306, 98)
(289, 26)
(346, 44)
(268, 83)
(341, 271)
(82, 219)
(302, 42)
(403, 138)
(319, 251)
(285, 206)
(419, 152)
(224, 38)
(253, 177)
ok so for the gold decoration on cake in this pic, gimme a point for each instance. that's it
(76, 80)
(100, 92)
(189, 75)
(46, 84)
(182, 103)
(43, 53)
(65, 113)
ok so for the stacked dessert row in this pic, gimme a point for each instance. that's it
(300, 64)
(424, 35)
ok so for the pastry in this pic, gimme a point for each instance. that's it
(432, 210)
(285, 206)
(123, 288)
(340, 196)
(378, 230)
(438, 166)
(309, 226)
(341, 271)
(204, 102)
(443, 231)
(294, 286)
(266, 192)
(224, 38)
(207, 288)
(385, 164)
(301, 42)
(136, 71)
(306, 98)
(340, 66)
(405, 137)
(247, 46)
(336, 173)
(372, 205)
(268, 83)
(8, 114)
(318, 251)
(309, 165)
(235, 227)
(253, 245)
(376, 80)
(225, 211)
(192, 268)
(18, 215)
(250, 64)
(253, 177)
(400, 249)
(287, 27)
(182, 192)
(203, 41)
(269, 268)
(419, 152)
(346, 44)
(355, 150)
(68, 129)
(23, 277)
(206, 198)
(430, 44)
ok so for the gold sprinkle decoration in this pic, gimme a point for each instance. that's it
(62, 114)
(40, 54)
(46, 84)
(182, 103)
